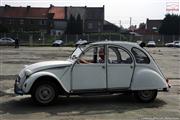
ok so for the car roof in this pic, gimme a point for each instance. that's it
(122, 43)
(6, 38)
(58, 40)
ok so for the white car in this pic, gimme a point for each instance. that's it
(119, 67)
(7, 41)
(173, 44)
(151, 44)
(177, 44)
(57, 43)
(81, 42)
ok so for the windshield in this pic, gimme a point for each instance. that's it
(76, 53)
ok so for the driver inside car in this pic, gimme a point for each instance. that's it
(100, 59)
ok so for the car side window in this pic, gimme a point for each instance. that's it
(118, 56)
(93, 55)
(140, 56)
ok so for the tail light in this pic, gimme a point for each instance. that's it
(167, 81)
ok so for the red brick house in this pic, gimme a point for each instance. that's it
(52, 20)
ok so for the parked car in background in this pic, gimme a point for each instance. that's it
(172, 44)
(177, 44)
(57, 43)
(151, 44)
(7, 41)
(80, 42)
(105, 67)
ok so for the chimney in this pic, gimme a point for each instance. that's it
(7, 6)
(51, 5)
(28, 8)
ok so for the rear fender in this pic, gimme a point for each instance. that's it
(147, 79)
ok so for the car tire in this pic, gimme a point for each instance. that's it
(145, 96)
(44, 93)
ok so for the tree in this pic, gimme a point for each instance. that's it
(71, 28)
(3, 29)
(142, 26)
(74, 26)
(170, 25)
(79, 28)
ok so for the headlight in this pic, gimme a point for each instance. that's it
(27, 72)
(17, 80)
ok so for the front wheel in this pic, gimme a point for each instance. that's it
(146, 96)
(44, 93)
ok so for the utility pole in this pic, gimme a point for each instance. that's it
(130, 22)
(120, 30)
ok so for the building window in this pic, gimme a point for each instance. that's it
(21, 22)
(43, 22)
(90, 25)
(10, 21)
(22, 29)
(59, 33)
(31, 22)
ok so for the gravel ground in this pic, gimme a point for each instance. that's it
(116, 107)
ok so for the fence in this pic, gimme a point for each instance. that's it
(39, 39)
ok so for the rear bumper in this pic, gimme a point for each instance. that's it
(165, 89)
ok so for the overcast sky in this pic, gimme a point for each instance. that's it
(115, 10)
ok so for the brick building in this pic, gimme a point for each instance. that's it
(151, 32)
(52, 20)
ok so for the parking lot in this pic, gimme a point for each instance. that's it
(119, 106)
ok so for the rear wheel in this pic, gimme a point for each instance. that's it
(146, 96)
(44, 93)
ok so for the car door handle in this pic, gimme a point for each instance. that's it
(131, 67)
(103, 67)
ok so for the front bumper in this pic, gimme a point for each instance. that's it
(17, 89)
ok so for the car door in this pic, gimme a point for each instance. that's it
(120, 68)
(88, 73)
(4, 41)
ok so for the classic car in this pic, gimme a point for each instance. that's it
(105, 67)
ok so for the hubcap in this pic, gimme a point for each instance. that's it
(146, 94)
(45, 94)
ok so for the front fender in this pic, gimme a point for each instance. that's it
(146, 79)
(29, 82)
